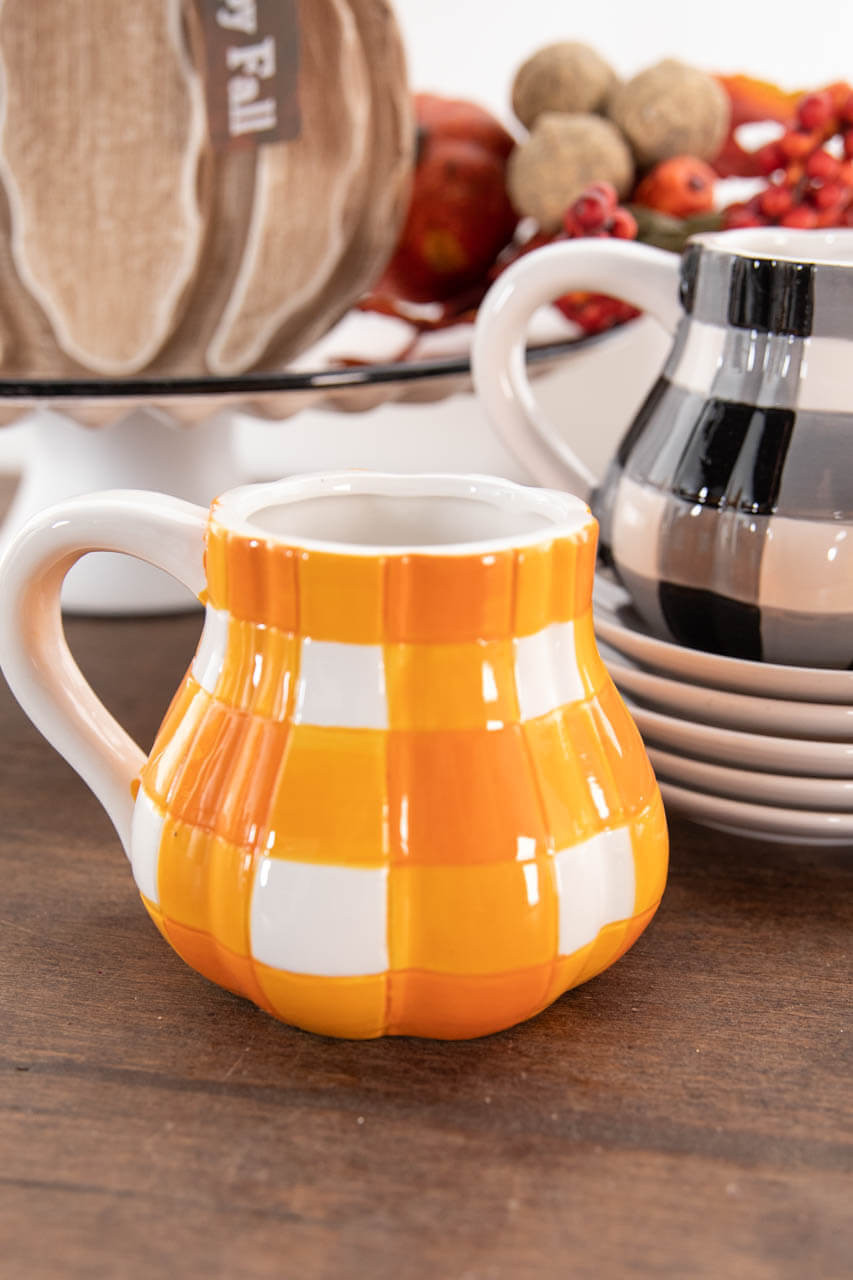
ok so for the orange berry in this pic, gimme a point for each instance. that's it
(796, 144)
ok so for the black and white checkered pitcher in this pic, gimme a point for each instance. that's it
(728, 509)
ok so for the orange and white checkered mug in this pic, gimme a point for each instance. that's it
(397, 791)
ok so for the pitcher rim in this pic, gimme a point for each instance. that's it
(781, 244)
(562, 514)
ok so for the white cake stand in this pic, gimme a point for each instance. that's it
(143, 449)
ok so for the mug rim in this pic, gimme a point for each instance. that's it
(782, 244)
(563, 514)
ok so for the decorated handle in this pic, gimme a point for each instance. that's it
(639, 274)
(34, 655)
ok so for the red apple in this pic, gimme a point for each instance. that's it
(460, 216)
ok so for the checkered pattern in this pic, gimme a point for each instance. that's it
(715, 510)
(371, 811)
(762, 294)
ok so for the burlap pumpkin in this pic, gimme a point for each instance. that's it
(193, 186)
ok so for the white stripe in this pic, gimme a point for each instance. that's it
(210, 655)
(824, 384)
(547, 675)
(807, 566)
(342, 685)
(825, 377)
(596, 886)
(637, 518)
(701, 357)
(145, 834)
(329, 921)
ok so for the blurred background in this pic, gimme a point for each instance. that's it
(473, 46)
(472, 49)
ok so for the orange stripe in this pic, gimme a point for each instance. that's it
(577, 556)
(554, 581)
(450, 686)
(457, 1007)
(252, 579)
(623, 749)
(612, 943)
(650, 842)
(403, 599)
(216, 963)
(205, 883)
(433, 599)
(580, 795)
(341, 597)
(462, 797)
(472, 919)
(350, 1007)
(594, 674)
(174, 740)
(228, 774)
(328, 803)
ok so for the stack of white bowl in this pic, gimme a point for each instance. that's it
(749, 747)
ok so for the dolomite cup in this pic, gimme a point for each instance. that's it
(728, 509)
(397, 791)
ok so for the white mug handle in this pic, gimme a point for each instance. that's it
(34, 656)
(646, 277)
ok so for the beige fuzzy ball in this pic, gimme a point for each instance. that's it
(567, 77)
(672, 109)
(562, 156)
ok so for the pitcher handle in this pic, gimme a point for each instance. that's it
(644, 276)
(34, 655)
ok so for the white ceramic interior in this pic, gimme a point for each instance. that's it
(369, 513)
(830, 248)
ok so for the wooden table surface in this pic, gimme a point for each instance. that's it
(685, 1114)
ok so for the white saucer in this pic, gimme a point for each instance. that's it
(835, 794)
(618, 624)
(697, 702)
(753, 750)
(783, 826)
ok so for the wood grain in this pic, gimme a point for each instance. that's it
(686, 1114)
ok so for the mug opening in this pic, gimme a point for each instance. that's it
(369, 513)
(830, 248)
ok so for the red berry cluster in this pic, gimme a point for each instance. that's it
(597, 213)
(807, 184)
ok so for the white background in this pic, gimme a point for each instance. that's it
(471, 48)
